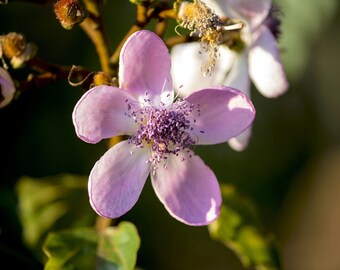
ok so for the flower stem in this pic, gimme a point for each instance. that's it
(172, 41)
(102, 223)
(144, 16)
(141, 21)
(48, 73)
(94, 28)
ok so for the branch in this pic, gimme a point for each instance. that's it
(94, 28)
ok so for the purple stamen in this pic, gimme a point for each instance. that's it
(163, 129)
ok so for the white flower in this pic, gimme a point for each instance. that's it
(258, 60)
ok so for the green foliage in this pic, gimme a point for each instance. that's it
(52, 203)
(71, 249)
(85, 249)
(238, 227)
(119, 246)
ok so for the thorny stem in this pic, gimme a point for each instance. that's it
(48, 73)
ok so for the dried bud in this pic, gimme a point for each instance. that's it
(14, 47)
(69, 13)
(13, 44)
(7, 88)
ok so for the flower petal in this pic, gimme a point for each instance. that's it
(220, 7)
(265, 66)
(241, 142)
(223, 114)
(100, 114)
(117, 179)
(145, 65)
(188, 189)
(238, 76)
(254, 12)
(7, 88)
(186, 68)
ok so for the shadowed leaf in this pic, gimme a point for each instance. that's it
(51, 203)
(118, 246)
(238, 228)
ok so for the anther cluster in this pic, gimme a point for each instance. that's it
(164, 129)
(206, 24)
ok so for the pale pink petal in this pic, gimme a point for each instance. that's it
(241, 142)
(238, 77)
(101, 114)
(254, 12)
(117, 179)
(7, 88)
(265, 66)
(145, 65)
(188, 189)
(223, 114)
(186, 68)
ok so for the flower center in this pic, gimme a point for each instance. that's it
(164, 129)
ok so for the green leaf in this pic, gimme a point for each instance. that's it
(85, 249)
(239, 228)
(118, 246)
(51, 203)
(71, 249)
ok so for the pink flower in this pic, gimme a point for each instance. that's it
(7, 88)
(259, 60)
(160, 133)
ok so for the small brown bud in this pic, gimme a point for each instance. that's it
(69, 13)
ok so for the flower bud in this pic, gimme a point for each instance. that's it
(7, 88)
(69, 13)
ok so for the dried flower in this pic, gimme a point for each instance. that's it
(15, 47)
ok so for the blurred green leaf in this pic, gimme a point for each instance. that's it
(303, 22)
(119, 245)
(239, 228)
(51, 203)
(85, 249)
(71, 249)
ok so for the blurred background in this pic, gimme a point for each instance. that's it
(291, 169)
